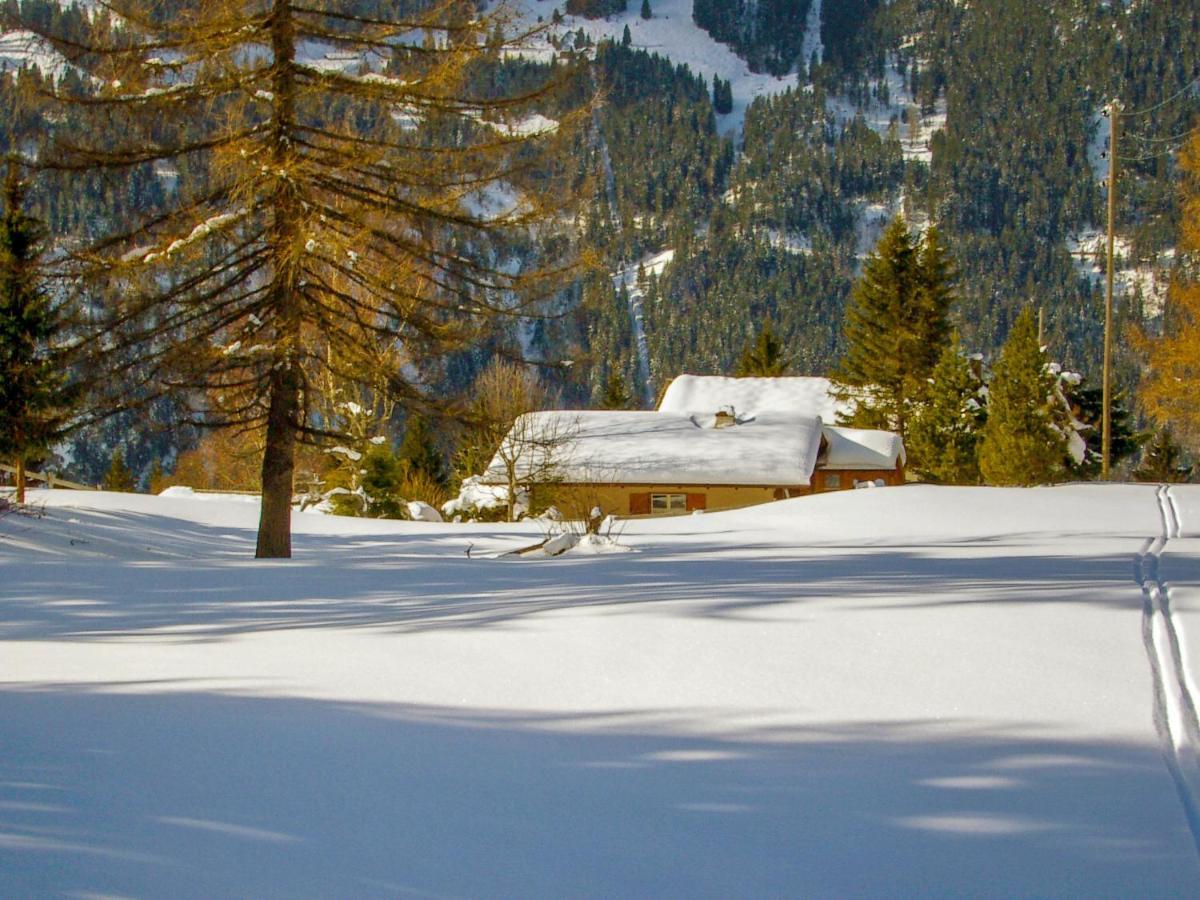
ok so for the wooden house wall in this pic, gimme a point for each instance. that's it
(577, 500)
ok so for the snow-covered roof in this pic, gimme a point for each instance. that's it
(661, 448)
(860, 448)
(795, 395)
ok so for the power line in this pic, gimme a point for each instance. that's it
(1177, 140)
(1168, 140)
(1195, 82)
(1164, 153)
(1146, 157)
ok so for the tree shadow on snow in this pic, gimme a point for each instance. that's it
(116, 790)
(420, 583)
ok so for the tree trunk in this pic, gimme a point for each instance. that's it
(279, 463)
(279, 452)
(20, 480)
(510, 466)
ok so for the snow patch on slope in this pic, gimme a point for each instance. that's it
(812, 43)
(892, 105)
(627, 277)
(24, 49)
(1151, 280)
(493, 202)
(672, 33)
(789, 241)
(1090, 248)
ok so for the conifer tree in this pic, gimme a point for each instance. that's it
(936, 294)
(381, 485)
(1163, 460)
(419, 452)
(616, 394)
(319, 206)
(763, 357)
(1086, 407)
(647, 13)
(722, 96)
(119, 476)
(34, 396)
(1021, 443)
(896, 327)
(156, 480)
(943, 439)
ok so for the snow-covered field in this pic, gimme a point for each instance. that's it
(918, 690)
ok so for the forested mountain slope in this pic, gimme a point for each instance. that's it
(830, 118)
(983, 117)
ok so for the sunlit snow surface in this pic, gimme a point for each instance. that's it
(908, 691)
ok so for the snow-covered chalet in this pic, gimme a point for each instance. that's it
(713, 443)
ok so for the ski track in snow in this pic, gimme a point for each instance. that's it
(1175, 715)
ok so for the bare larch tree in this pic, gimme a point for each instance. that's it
(344, 177)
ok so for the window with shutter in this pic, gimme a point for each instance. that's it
(668, 503)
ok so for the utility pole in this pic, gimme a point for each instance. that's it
(1114, 120)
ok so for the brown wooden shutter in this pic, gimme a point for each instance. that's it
(639, 504)
(697, 501)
